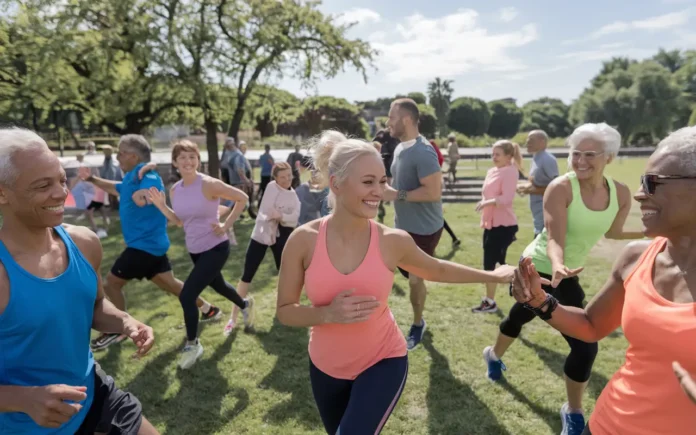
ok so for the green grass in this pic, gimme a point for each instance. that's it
(259, 384)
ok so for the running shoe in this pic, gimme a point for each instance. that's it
(229, 327)
(495, 367)
(106, 340)
(249, 315)
(573, 423)
(487, 306)
(456, 243)
(212, 315)
(415, 335)
(102, 234)
(190, 354)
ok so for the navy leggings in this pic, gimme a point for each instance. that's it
(207, 267)
(361, 406)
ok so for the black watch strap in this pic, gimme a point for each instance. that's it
(551, 303)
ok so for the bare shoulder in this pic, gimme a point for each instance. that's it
(209, 181)
(302, 240)
(560, 183)
(393, 235)
(87, 242)
(629, 256)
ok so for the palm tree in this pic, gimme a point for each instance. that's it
(440, 94)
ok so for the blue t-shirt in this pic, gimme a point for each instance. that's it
(236, 163)
(543, 170)
(143, 228)
(409, 166)
(266, 163)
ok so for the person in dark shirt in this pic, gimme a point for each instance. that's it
(389, 144)
(295, 161)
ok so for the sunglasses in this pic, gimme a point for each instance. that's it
(650, 181)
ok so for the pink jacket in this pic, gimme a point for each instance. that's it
(501, 184)
(278, 206)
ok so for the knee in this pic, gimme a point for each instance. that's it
(414, 281)
(510, 328)
(579, 363)
(187, 296)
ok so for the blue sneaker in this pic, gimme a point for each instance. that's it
(415, 336)
(495, 368)
(573, 424)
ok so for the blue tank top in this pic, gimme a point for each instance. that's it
(45, 332)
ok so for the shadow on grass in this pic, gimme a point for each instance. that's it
(398, 290)
(551, 417)
(556, 361)
(453, 407)
(290, 375)
(197, 405)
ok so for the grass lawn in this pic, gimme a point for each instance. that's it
(259, 384)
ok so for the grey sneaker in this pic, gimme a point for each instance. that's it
(249, 315)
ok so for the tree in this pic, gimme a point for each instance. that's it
(506, 118)
(692, 119)
(440, 94)
(608, 67)
(418, 97)
(548, 114)
(275, 38)
(469, 116)
(271, 106)
(325, 112)
(686, 80)
(672, 60)
(427, 124)
(641, 99)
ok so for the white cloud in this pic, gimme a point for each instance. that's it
(508, 14)
(359, 16)
(422, 47)
(656, 23)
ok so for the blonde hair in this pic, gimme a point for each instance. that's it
(332, 153)
(510, 149)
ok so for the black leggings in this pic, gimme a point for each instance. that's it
(257, 251)
(206, 271)
(587, 430)
(449, 231)
(496, 242)
(362, 405)
(578, 364)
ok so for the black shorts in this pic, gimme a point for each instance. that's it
(113, 411)
(136, 264)
(427, 244)
(495, 245)
(95, 205)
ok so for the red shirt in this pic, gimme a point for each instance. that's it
(440, 158)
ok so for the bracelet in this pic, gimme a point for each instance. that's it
(550, 302)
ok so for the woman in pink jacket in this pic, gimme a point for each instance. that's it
(277, 218)
(498, 219)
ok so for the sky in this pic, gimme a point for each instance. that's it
(500, 49)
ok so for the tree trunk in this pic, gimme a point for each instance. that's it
(236, 121)
(212, 147)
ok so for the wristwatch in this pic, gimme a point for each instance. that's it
(401, 195)
(551, 303)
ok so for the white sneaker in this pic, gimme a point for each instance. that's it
(102, 234)
(190, 354)
(229, 327)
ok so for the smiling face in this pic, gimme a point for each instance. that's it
(187, 162)
(284, 178)
(37, 196)
(588, 159)
(500, 159)
(670, 210)
(361, 190)
(127, 158)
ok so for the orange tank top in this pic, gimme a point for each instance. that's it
(344, 351)
(644, 396)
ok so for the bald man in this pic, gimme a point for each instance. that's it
(543, 170)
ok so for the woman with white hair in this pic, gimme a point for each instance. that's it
(346, 263)
(579, 208)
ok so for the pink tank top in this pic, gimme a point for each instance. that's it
(644, 396)
(344, 351)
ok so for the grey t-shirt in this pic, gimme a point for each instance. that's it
(543, 170)
(235, 163)
(410, 165)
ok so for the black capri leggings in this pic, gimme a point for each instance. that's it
(362, 405)
(207, 267)
(257, 251)
(578, 364)
(495, 245)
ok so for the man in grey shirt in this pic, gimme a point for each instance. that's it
(543, 170)
(417, 194)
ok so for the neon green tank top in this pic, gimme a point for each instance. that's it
(584, 229)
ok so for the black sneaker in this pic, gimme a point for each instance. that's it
(485, 307)
(106, 340)
(456, 243)
(212, 315)
(415, 335)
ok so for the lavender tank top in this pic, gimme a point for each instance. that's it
(198, 215)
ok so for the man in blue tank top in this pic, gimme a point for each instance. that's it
(144, 231)
(50, 297)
